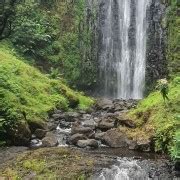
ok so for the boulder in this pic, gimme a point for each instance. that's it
(40, 133)
(104, 104)
(78, 128)
(99, 136)
(82, 130)
(76, 137)
(115, 138)
(89, 123)
(106, 124)
(20, 135)
(50, 140)
(88, 143)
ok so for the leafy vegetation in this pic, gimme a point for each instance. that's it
(56, 36)
(156, 118)
(27, 94)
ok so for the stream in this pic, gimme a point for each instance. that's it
(97, 134)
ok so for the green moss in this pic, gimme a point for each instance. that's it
(85, 102)
(159, 115)
(24, 90)
(50, 163)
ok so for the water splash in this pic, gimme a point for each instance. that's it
(123, 170)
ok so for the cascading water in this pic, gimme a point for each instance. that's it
(124, 170)
(122, 56)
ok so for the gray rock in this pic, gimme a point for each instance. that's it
(72, 116)
(144, 145)
(78, 128)
(86, 116)
(99, 136)
(104, 104)
(106, 124)
(40, 133)
(81, 130)
(50, 140)
(58, 116)
(89, 123)
(19, 135)
(52, 126)
(89, 142)
(64, 124)
(132, 144)
(76, 137)
(115, 138)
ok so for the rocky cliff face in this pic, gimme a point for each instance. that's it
(157, 37)
(156, 63)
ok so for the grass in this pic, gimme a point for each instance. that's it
(25, 90)
(49, 163)
(156, 118)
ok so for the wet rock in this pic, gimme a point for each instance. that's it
(72, 116)
(115, 138)
(40, 133)
(58, 116)
(99, 136)
(89, 142)
(144, 145)
(106, 124)
(90, 123)
(52, 126)
(86, 117)
(82, 130)
(76, 137)
(97, 120)
(20, 135)
(78, 128)
(64, 124)
(50, 140)
(104, 104)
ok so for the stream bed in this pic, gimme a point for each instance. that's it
(97, 136)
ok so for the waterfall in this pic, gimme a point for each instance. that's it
(122, 55)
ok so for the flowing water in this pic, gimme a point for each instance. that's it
(122, 56)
